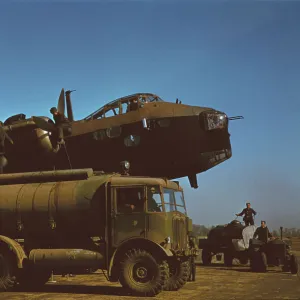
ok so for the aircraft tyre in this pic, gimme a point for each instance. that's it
(142, 274)
(179, 275)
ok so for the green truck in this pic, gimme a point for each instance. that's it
(134, 228)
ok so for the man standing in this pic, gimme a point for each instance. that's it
(3, 136)
(262, 233)
(59, 119)
(248, 213)
(193, 245)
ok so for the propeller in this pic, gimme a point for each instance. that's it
(61, 102)
(42, 123)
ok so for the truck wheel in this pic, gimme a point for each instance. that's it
(30, 278)
(179, 275)
(206, 257)
(142, 274)
(243, 261)
(259, 262)
(7, 272)
(294, 264)
(228, 258)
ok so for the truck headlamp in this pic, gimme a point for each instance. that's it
(216, 121)
(168, 240)
(125, 165)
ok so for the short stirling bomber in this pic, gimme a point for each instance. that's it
(158, 138)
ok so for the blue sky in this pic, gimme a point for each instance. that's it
(241, 57)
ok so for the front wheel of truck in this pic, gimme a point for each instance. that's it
(142, 274)
(179, 275)
(8, 270)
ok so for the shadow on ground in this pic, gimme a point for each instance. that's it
(78, 289)
(247, 270)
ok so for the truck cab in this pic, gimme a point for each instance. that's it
(152, 209)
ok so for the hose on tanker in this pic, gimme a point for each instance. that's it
(67, 155)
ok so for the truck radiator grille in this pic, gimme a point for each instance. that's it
(179, 234)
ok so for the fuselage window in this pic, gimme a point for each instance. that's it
(164, 122)
(113, 132)
(99, 135)
(132, 140)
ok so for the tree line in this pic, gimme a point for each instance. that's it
(201, 230)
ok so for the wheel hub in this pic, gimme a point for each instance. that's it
(141, 272)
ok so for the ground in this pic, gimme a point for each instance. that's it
(216, 282)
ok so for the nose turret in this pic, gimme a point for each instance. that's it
(213, 119)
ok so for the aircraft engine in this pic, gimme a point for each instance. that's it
(28, 139)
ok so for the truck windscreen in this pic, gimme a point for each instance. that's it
(174, 201)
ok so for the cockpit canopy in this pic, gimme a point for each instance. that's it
(123, 105)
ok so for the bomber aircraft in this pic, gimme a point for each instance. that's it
(158, 138)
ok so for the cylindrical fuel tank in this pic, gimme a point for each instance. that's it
(68, 258)
(61, 206)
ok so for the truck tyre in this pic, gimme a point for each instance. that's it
(8, 269)
(179, 275)
(206, 257)
(259, 262)
(294, 264)
(243, 261)
(228, 258)
(142, 274)
(30, 278)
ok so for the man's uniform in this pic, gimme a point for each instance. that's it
(59, 120)
(262, 234)
(248, 215)
(193, 245)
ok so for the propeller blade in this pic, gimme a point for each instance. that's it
(43, 124)
(61, 102)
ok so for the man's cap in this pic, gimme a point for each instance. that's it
(53, 110)
(263, 221)
(248, 203)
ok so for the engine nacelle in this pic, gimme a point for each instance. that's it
(28, 138)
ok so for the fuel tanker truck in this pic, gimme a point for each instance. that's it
(134, 228)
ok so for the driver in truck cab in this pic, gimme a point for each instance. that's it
(262, 233)
(130, 201)
(152, 204)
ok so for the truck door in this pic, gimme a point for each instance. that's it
(128, 215)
